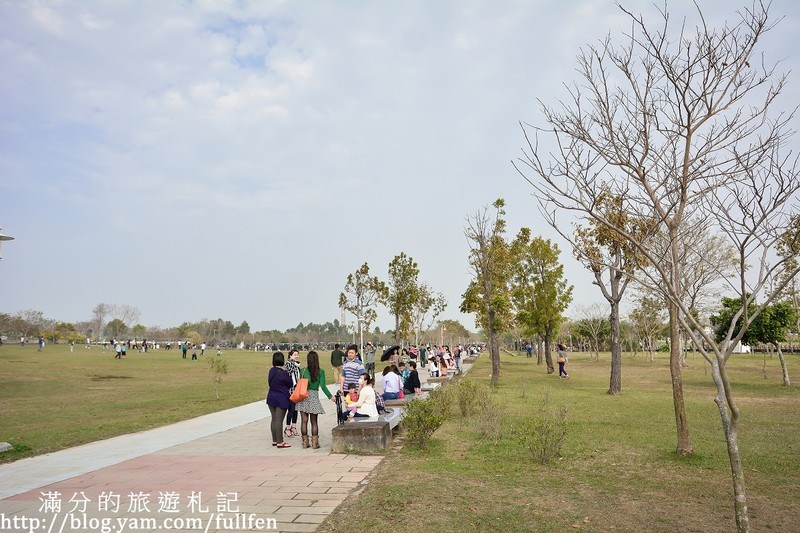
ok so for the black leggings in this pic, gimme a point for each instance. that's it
(291, 415)
(304, 423)
(276, 426)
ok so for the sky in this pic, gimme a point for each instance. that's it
(237, 160)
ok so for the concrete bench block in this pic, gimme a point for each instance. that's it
(362, 437)
(441, 381)
(400, 402)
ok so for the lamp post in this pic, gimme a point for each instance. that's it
(441, 336)
(360, 335)
(5, 238)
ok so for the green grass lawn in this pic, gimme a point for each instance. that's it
(56, 399)
(618, 468)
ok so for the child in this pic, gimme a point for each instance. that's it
(350, 398)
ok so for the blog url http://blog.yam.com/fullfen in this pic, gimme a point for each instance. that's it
(167, 510)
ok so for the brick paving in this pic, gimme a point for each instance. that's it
(223, 481)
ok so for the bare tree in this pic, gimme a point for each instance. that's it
(648, 321)
(592, 321)
(31, 322)
(679, 123)
(128, 314)
(429, 306)
(605, 253)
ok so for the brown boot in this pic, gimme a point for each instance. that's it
(305, 441)
(315, 441)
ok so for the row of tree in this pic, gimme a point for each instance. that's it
(413, 303)
(33, 323)
(670, 157)
(515, 283)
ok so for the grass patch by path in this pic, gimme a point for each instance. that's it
(618, 469)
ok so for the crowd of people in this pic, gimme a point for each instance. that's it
(354, 377)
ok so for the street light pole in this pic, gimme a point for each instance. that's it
(360, 335)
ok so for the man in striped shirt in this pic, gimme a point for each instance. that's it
(352, 369)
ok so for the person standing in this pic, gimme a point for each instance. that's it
(337, 361)
(561, 359)
(41, 343)
(351, 370)
(311, 407)
(369, 358)
(293, 368)
(279, 382)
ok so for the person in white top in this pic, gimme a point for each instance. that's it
(366, 406)
(392, 383)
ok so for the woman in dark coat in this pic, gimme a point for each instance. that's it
(279, 382)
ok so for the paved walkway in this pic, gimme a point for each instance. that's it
(217, 473)
(213, 473)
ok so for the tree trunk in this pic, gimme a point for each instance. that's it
(732, 441)
(547, 355)
(785, 370)
(538, 350)
(494, 349)
(615, 385)
(681, 422)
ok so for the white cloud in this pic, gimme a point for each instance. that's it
(337, 132)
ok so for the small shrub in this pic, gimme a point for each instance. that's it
(490, 422)
(421, 418)
(543, 435)
(442, 398)
(469, 395)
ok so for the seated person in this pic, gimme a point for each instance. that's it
(412, 384)
(392, 383)
(442, 366)
(351, 397)
(404, 371)
(433, 366)
(366, 405)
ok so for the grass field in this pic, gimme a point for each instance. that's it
(618, 470)
(56, 399)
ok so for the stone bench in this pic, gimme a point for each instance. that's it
(366, 435)
(440, 380)
(400, 402)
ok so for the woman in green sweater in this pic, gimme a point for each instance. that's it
(311, 407)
